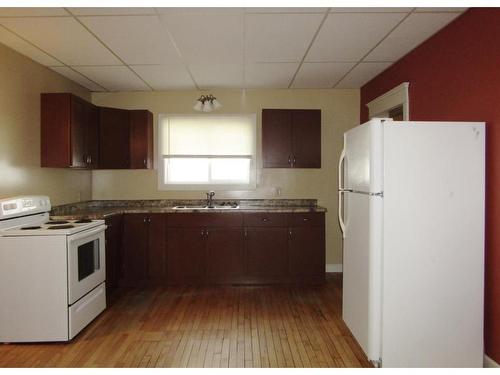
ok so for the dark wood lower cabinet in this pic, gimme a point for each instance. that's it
(135, 249)
(222, 249)
(186, 255)
(156, 249)
(113, 253)
(225, 255)
(307, 252)
(267, 253)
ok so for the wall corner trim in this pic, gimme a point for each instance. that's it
(489, 363)
(392, 98)
(333, 267)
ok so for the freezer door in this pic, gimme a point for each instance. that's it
(361, 307)
(363, 157)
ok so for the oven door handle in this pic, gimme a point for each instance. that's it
(88, 233)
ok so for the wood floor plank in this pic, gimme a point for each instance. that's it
(207, 326)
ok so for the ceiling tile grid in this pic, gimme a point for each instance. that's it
(136, 49)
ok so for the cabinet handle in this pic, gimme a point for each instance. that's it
(293, 163)
(202, 233)
(149, 219)
(290, 233)
(206, 233)
(145, 162)
(245, 232)
(265, 219)
(289, 159)
(305, 219)
(90, 159)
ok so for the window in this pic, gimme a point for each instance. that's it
(393, 104)
(206, 151)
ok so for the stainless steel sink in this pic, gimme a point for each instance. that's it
(215, 207)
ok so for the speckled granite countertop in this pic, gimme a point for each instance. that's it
(104, 209)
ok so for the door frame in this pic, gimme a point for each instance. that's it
(396, 97)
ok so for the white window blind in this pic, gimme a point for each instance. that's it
(206, 150)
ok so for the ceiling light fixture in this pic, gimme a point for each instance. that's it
(207, 103)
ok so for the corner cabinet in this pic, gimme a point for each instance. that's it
(69, 132)
(78, 134)
(291, 138)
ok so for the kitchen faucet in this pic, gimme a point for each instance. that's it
(210, 197)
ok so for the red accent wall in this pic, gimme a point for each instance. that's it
(455, 76)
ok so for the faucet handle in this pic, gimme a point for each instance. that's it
(211, 193)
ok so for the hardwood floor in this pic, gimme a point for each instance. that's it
(209, 326)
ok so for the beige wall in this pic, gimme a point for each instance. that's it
(340, 111)
(21, 82)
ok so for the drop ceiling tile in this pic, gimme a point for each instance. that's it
(361, 74)
(77, 77)
(207, 38)
(279, 37)
(438, 9)
(209, 76)
(111, 11)
(62, 37)
(370, 10)
(23, 47)
(349, 36)
(32, 12)
(165, 77)
(269, 75)
(136, 39)
(409, 34)
(285, 10)
(320, 75)
(114, 78)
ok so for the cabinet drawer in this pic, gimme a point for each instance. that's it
(306, 219)
(264, 220)
(189, 219)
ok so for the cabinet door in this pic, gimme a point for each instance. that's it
(157, 248)
(141, 139)
(185, 255)
(267, 253)
(114, 139)
(307, 252)
(55, 124)
(225, 255)
(113, 256)
(135, 248)
(92, 136)
(79, 121)
(276, 138)
(306, 138)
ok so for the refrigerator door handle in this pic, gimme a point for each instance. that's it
(341, 219)
(341, 161)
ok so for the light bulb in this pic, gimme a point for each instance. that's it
(216, 104)
(198, 106)
(207, 106)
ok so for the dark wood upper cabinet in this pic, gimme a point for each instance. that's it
(78, 134)
(276, 138)
(141, 139)
(69, 132)
(291, 138)
(114, 138)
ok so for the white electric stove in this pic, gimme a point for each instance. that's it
(52, 272)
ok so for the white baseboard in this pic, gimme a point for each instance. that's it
(489, 363)
(332, 267)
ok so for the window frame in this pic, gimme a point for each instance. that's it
(160, 158)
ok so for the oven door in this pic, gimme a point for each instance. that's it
(86, 262)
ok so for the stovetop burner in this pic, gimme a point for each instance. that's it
(81, 221)
(31, 228)
(52, 222)
(67, 226)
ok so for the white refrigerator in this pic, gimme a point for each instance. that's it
(411, 209)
